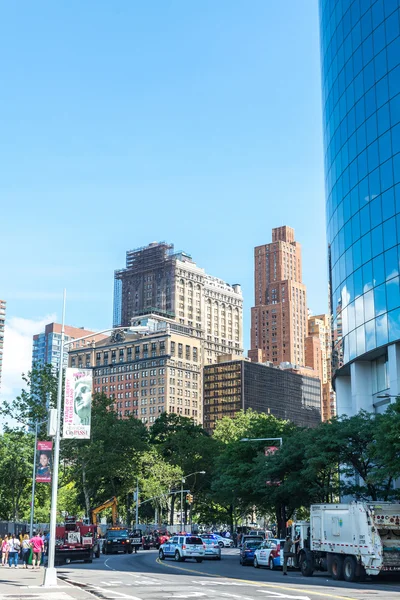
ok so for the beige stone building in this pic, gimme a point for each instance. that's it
(157, 370)
(279, 317)
(159, 280)
(320, 335)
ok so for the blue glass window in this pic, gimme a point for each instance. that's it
(377, 13)
(370, 105)
(379, 38)
(386, 171)
(396, 168)
(368, 51)
(355, 226)
(385, 147)
(396, 137)
(375, 211)
(365, 220)
(393, 293)
(380, 63)
(382, 92)
(367, 276)
(377, 240)
(394, 325)
(388, 209)
(372, 129)
(381, 330)
(359, 310)
(374, 184)
(391, 263)
(366, 24)
(366, 246)
(383, 119)
(362, 162)
(369, 307)
(394, 110)
(392, 29)
(370, 339)
(394, 82)
(379, 269)
(380, 299)
(389, 233)
(397, 201)
(360, 340)
(358, 282)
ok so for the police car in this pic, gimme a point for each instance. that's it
(183, 546)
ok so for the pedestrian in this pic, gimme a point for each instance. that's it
(37, 549)
(287, 553)
(26, 550)
(4, 551)
(14, 547)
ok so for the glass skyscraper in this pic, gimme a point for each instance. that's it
(360, 50)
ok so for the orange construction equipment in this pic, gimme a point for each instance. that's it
(113, 503)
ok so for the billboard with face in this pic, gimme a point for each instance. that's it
(44, 462)
(77, 403)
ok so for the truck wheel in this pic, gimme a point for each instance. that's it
(97, 555)
(337, 567)
(350, 569)
(306, 566)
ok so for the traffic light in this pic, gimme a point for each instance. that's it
(189, 498)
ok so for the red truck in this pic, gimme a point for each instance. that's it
(76, 541)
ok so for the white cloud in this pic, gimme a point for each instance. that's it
(17, 353)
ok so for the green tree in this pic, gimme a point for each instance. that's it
(107, 464)
(16, 465)
(31, 406)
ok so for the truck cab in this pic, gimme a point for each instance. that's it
(117, 540)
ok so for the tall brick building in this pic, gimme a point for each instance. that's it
(319, 349)
(279, 317)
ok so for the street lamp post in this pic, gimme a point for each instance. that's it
(50, 573)
(183, 480)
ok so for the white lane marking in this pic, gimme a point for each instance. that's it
(230, 583)
(226, 595)
(105, 562)
(188, 595)
(277, 595)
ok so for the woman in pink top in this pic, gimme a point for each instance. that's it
(37, 549)
(4, 551)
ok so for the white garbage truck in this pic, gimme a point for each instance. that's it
(350, 540)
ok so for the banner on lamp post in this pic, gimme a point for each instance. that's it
(77, 403)
(44, 462)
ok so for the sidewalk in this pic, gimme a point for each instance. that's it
(26, 584)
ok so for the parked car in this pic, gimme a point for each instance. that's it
(269, 554)
(247, 551)
(181, 547)
(222, 541)
(213, 549)
(250, 538)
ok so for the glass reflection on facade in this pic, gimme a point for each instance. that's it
(235, 385)
(360, 49)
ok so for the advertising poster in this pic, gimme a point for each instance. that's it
(77, 403)
(44, 462)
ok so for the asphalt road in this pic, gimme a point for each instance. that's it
(144, 577)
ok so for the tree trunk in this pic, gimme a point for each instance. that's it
(280, 512)
(86, 493)
(231, 518)
(171, 521)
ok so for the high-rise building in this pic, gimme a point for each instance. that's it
(47, 345)
(2, 327)
(319, 344)
(160, 281)
(234, 384)
(279, 317)
(148, 373)
(360, 50)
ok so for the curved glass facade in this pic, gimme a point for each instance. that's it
(360, 49)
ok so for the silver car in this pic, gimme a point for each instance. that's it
(181, 547)
(213, 549)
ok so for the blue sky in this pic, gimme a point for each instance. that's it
(124, 122)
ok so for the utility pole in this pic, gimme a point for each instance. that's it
(33, 483)
(137, 505)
